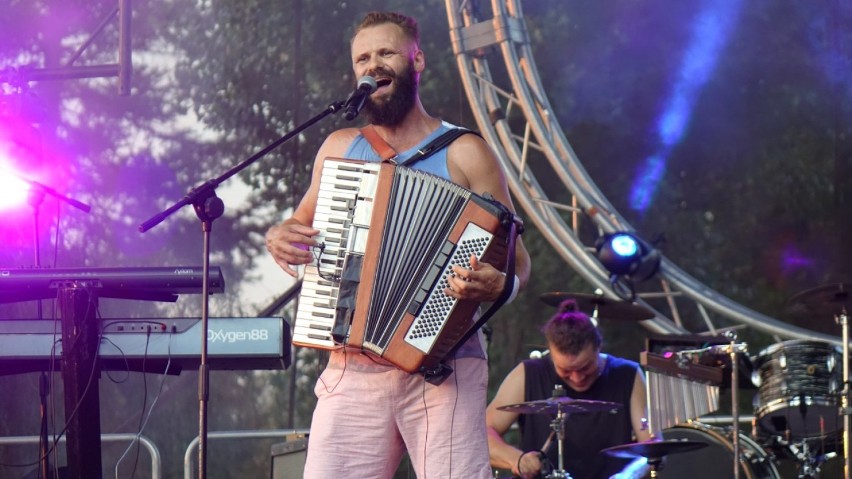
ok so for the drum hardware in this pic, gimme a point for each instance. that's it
(562, 406)
(810, 463)
(835, 300)
(798, 389)
(714, 461)
(826, 300)
(673, 401)
(560, 403)
(654, 451)
(600, 306)
(808, 454)
(733, 349)
(678, 390)
(845, 411)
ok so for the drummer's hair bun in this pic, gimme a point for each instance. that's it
(568, 306)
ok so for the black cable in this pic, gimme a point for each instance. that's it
(65, 428)
(123, 357)
(453, 415)
(144, 422)
(71, 416)
(426, 439)
(144, 403)
(345, 363)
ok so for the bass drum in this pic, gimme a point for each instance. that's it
(716, 460)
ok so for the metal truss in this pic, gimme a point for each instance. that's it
(122, 69)
(516, 119)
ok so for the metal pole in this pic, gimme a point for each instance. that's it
(125, 58)
(843, 319)
(735, 407)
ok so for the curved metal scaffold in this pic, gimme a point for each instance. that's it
(497, 108)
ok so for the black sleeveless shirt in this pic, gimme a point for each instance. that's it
(585, 434)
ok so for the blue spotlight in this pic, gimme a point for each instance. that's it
(624, 245)
(628, 258)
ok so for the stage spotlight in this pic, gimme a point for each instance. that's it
(628, 258)
(20, 151)
(13, 191)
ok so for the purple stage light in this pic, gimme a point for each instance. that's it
(711, 29)
(13, 190)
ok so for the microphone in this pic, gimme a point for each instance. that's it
(355, 103)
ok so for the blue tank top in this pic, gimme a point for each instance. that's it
(436, 164)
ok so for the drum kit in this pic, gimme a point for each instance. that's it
(801, 409)
(559, 406)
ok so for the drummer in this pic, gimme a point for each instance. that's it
(574, 361)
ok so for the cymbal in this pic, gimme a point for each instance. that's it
(653, 449)
(556, 404)
(606, 308)
(828, 299)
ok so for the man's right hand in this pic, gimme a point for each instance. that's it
(529, 465)
(290, 244)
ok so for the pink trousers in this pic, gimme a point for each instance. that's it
(368, 415)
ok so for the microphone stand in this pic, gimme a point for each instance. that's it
(208, 207)
(35, 198)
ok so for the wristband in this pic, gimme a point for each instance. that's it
(516, 285)
(519, 461)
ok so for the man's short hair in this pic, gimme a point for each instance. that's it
(570, 330)
(406, 23)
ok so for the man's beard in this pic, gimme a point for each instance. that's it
(392, 110)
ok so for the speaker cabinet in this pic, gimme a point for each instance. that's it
(288, 457)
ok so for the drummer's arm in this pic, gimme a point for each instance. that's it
(639, 409)
(638, 419)
(503, 455)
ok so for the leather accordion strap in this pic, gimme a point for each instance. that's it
(437, 145)
(385, 151)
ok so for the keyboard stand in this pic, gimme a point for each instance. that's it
(80, 373)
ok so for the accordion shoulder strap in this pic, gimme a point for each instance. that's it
(437, 145)
(385, 151)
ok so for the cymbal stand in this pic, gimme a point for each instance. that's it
(654, 463)
(845, 411)
(558, 427)
(733, 349)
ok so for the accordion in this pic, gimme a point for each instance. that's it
(389, 236)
